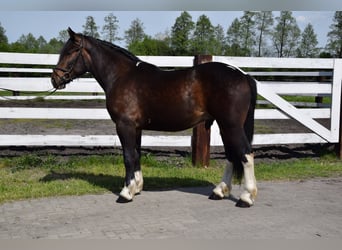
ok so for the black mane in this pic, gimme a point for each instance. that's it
(117, 48)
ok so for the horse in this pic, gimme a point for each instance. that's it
(141, 96)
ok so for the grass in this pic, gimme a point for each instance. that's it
(33, 176)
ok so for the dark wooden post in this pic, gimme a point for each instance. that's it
(200, 140)
(339, 146)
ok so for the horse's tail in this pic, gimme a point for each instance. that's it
(248, 126)
(249, 123)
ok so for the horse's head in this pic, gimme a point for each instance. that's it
(71, 63)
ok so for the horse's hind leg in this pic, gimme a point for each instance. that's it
(249, 194)
(240, 158)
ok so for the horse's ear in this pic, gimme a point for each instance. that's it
(72, 34)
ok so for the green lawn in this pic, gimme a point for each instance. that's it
(33, 176)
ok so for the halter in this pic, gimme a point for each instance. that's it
(67, 72)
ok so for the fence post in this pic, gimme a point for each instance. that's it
(339, 146)
(200, 140)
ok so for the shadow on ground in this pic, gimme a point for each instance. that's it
(114, 183)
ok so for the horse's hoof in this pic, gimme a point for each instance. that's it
(241, 203)
(123, 200)
(215, 197)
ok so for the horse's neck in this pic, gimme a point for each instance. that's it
(106, 67)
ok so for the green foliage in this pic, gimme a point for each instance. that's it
(90, 27)
(286, 34)
(3, 39)
(255, 33)
(234, 39)
(203, 37)
(308, 43)
(110, 28)
(33, 175)
(150, 46)
(264, 22)
(181, 33)
(135, 33)
(334, 45)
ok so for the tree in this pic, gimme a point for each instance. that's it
(3, 39)
(218, 44)
(203, 36)
(308, 43)
(135, 33)
(263, 22)
(234, 39)
(165, 37)
(110, 28)
(247, 29)
(54, 46)
(286, 34)
(180, 34)
(41, 43)
(90, 28)
(150, 46)
(26, 43)
(63, 36)
(335, 36)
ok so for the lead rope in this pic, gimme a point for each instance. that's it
(45, 93)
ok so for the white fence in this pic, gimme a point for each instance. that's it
(272, 90)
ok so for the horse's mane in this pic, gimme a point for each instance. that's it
(116, 48)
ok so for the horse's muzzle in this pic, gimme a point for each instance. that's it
(57, 81)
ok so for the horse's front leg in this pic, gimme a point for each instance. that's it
(225, 186)
(127, 134)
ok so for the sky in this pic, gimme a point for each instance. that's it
(50, 23)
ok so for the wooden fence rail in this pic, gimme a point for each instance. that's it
(277, 77)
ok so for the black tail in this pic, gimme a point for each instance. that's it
(249, 123)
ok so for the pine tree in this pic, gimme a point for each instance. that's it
(41, 43)
(247, 29)
(203, 36)
(218, 45)
(263, 22)
(335, 36)
(135, 33)
(286, 35)
(3, 39)
(234, 39)
(90, 28)
(110, 28)
(308, 43)
(63, 36)
(27, 43)
(181, 32)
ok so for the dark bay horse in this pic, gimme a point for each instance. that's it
(141, 96)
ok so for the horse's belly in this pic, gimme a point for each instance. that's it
(174, 123)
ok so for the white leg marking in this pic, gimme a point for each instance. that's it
(129, 192)
(139, 181)
(250, 189)
(225, 186)
(134, 187)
